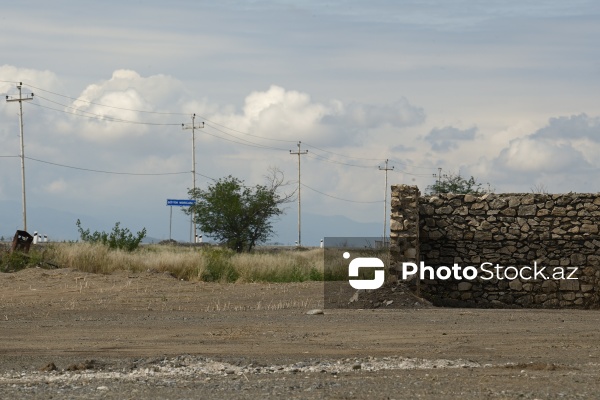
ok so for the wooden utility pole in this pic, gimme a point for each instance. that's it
(299, 153)
(193, 127)
(385, 189)
(21, 99)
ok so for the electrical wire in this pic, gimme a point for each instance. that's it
(105, 105)
(318, 157)
(207, 120)
(153, 112)
(213, 125)
(107, 172)
(368, 159)
(246, 133)
(248, 142)
(339, 198)
(96, 116)
(341, 155)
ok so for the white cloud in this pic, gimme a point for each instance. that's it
(571, 128)
(447, 138)
(11, 76)
(530, 155)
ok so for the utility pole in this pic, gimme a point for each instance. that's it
(299, 153)
(193, 127)
(385, 189)
(439, 177)
(20, 100)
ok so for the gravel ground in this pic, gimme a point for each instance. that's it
(66, 334)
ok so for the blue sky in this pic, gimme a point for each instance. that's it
(506, 91)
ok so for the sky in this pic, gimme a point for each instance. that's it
(505, 91)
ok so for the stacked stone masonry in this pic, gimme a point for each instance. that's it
(557, 232)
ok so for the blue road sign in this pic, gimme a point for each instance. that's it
(180, 203)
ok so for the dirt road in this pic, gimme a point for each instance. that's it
(64, 333)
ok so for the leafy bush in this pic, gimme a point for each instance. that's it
(218, 266)
(12, 261)
(118, 238)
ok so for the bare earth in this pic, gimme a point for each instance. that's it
(67, 334)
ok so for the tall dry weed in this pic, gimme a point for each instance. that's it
(205, 264)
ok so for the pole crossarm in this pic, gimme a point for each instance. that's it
(21, 99)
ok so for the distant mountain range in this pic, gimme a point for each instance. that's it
(59, 225)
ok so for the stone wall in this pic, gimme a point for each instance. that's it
(511, 235)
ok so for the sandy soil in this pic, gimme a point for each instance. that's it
(67, 334)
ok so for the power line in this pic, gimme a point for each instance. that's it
(106, 105)
(154, 112)
(215, 124)
(108, 172)
(364, 158)
(248, 142)
(339, 198)
(318, 157)
(81, 113)
(248, 134)
(341, 155)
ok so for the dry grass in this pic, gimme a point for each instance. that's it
(207, 263)
(183, 263)
(287, 266)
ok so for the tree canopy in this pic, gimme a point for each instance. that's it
(237, 215)
(454, 183)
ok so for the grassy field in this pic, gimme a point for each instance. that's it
(189, 263)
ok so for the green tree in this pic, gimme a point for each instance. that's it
(238, 215)
(454, 183)
(118, 238)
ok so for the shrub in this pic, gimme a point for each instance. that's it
(118, 238)
(12, 261)
(218, 266)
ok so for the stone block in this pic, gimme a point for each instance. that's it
(514, 202)
(559, 211)
(469, 198)
(515, 284)
(568, 284)
(578, 260)
(549, 286)
(410, 253)
(510, 212)
(498, 203)
(586, 288)
(528, 199)
(464, 286)
(589, 228)
(540, 298)
(396, 226)
(527, 210)
(570, 296)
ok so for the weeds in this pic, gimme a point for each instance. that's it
(12, 261)
(209, 264)
(118, 238)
